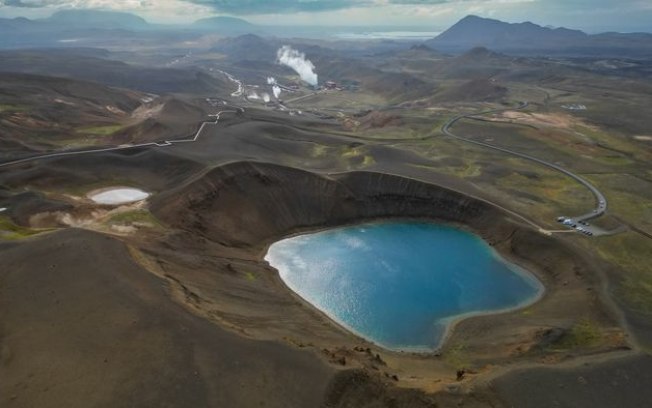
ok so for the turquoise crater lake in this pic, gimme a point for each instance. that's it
(401, 284)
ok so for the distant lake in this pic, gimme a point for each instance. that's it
(401, 284)
(389, 35)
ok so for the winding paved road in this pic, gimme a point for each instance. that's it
(601, 200)
(124, 147)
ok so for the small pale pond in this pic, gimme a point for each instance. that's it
(118, 195)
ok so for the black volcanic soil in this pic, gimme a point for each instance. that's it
(259, 202)
(43, 113)
(236, 210)
(195, 317)
(47, 114)
(617, 383)
(84, 326)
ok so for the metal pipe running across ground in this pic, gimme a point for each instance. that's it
(163, 143)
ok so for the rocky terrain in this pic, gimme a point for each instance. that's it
(168, 301)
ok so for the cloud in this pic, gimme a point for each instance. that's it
(31, 3)
(165, 7)
(279, 6)
(126, 5)
(592, 15)
(257, 7)
(418, 2)
(294, 6)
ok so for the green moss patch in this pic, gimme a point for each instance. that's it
(142, 217)
(457, 356)
(100, 130)
(11, 231)
(4, 107)
(584, 333)
(632, 253)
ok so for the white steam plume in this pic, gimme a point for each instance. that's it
(271, 81)
(253, 96)
(298, 62)
(277, 91)
(266, 97)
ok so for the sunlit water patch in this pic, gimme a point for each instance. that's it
(401, 284)
(389, 35)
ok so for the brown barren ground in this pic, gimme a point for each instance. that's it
(193, 316)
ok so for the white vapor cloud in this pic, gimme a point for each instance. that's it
(296, 60)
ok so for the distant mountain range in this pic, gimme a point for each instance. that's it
(96, 19)
(470, 32)
(224, 23)
(65, 24)
(530, 38)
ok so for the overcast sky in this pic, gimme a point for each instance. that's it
(590, 15)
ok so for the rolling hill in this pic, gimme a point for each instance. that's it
(530, 38)
(111, 72)
(43, 114)
(224, 25)
(96, 19)
(39, 113)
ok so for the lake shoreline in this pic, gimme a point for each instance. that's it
(241, 208)
(448, 323)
